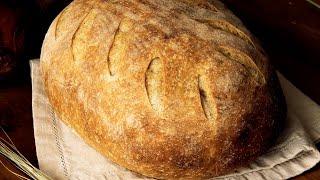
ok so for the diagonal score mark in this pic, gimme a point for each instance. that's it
(227, 27)
(207, 102)
(115, 34)
(154, 80)
(76, 31)
(58, 22)
(245, 60)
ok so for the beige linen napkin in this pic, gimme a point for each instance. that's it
(62, 154)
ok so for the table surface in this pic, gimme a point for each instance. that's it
(298, 65)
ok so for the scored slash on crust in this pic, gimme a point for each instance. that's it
(76, 31)
(154, 84)
(207, 102)
(116, 32)
(227, 27)
(245, 60)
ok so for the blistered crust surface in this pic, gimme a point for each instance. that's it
(168, 89)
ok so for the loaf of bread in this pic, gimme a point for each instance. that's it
(165, 88)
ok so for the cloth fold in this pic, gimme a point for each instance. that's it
(62, 154)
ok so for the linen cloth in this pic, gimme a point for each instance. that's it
(62, 154)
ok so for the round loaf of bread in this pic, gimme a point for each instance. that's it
(165, 88)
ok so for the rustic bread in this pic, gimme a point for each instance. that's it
(168, 89)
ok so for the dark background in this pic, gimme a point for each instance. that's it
(289, 31)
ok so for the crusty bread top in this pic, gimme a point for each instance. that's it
(168, 89)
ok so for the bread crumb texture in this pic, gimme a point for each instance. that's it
(167, 89)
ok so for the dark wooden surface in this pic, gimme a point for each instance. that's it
(288, 30)
(16, 119)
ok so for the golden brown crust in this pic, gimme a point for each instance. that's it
(168, 89)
